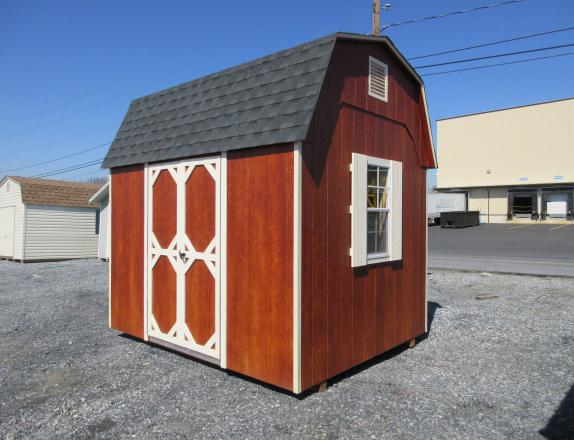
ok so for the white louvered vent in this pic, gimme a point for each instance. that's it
(378, 79)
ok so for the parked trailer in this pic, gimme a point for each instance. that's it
(444, 202)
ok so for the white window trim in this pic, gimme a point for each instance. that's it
(385, 67)
(358, 210)
(378, 257)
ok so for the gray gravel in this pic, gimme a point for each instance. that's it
(500, 366)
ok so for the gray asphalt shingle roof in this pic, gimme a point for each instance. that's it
(267, 101)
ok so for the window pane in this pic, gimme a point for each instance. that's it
(377, 232)
(372, 175)
(382, 241)
(372, 218)
(383, 173)
(371, 242)
(383, 198)
(382, 221)
(371, 197)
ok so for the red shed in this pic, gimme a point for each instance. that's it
(271, 218)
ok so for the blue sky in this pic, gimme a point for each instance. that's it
(69, 68)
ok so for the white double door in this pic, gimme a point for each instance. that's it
(184, 254)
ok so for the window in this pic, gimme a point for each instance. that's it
(376, 210)
(97, 222)
(378, 79)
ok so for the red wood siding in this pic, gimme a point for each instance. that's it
(200, 208)
(349, 316)
(164, 293)
(127, 250)
(260, 264)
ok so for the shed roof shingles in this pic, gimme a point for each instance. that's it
(46, 192)
(270, 100)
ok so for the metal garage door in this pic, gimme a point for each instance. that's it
(556, 205)
(7, 231)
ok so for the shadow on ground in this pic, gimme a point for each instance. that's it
(561, 425)
(432, 307)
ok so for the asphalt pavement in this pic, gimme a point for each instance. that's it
(540, 249)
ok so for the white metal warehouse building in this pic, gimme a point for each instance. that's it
(43, 219)
(515, 164)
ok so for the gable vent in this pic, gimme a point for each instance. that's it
(378, 79)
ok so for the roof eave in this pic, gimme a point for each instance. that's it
(101, 194)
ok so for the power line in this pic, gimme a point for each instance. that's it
(19, 151)
(506, 54)
(98, 102)
(45, 124)
(448, 14)
(498, 64)
(523, 37)
(55, 160)
(72, 168)
(89, 173)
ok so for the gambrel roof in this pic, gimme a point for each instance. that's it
(268, 101)
(48, 192)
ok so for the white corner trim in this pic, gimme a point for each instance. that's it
(146, 275)
(223, 263)
(297, 235)
(426, 257)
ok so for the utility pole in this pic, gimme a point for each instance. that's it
(376, 17)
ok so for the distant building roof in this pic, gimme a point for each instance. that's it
(268, 101)
(48, 192)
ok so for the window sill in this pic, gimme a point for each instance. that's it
(377, 258)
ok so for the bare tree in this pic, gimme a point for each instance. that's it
(100, 179)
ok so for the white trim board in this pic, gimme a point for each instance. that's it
(146, 255)
(297, 235)
(223, 263)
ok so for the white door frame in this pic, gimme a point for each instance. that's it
(11, 214)
(181, 254)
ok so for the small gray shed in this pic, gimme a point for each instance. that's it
(43, 219)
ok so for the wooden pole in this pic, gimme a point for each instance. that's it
(376, 17)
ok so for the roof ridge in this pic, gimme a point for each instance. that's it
(50, 181)
(239, 67)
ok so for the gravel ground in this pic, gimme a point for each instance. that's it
(498, 363)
